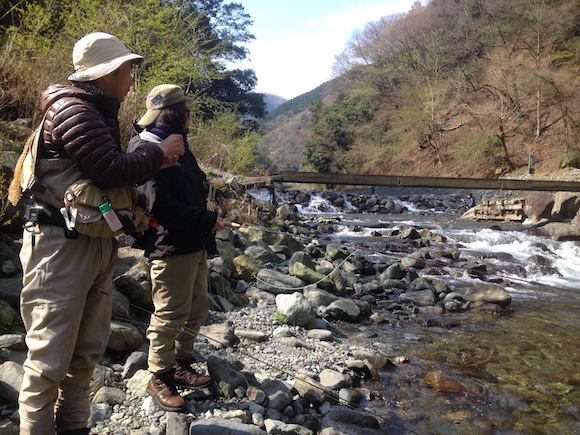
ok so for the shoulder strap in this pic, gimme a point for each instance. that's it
(31, 146)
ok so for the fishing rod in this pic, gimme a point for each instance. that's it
(317, 387)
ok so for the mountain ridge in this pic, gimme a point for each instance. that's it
(477, 115)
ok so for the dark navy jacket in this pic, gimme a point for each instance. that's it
(178, 201)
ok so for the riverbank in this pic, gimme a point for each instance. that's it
(273, 344)
(312, 333)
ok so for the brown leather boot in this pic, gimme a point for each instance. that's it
(185, 375)
(162, 388)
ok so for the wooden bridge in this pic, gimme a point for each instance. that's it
(428, 182)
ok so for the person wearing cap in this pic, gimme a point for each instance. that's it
(66, 300)
(178, 254)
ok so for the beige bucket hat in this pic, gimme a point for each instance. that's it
(98, 54)
(160, 97)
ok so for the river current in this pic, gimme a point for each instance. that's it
(520, 372)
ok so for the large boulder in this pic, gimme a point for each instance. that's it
(539, 206)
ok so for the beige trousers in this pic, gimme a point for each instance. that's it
(66, 305)
(179, 285)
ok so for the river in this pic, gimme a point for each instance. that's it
(520, 372)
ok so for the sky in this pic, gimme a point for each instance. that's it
(297, 40)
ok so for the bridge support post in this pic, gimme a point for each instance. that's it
(273, 199)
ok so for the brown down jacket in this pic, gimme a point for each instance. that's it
(82, 124)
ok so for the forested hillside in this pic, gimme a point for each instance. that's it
(467, 88)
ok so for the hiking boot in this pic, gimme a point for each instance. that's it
(162, 389)
(185, 375)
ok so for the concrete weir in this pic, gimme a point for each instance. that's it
(500, 210)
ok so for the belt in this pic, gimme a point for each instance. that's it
(50, 215)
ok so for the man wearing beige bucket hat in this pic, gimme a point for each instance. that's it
(66, 300)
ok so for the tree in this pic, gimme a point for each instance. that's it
(191, 43)
(329, 138)
(187, 42)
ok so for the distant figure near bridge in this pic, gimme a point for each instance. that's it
(469, 201)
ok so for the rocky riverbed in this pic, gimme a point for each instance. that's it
(288, 341)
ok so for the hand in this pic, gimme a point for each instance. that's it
(219, 224)
(169, 162)
(172, 148)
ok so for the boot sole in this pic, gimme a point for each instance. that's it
(163, 407)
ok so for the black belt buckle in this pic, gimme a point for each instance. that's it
(71, 234)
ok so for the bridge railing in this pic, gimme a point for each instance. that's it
(429, 182)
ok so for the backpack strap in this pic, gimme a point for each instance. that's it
(17, 183)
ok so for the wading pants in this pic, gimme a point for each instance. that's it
(66, 305)
(179, 286)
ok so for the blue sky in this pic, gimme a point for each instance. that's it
(296, 40)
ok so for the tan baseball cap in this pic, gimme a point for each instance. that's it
(160, 97)
(98, 54)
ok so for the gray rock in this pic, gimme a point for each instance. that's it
(10, 289)
(219, 335)
(282, 331)
(342, 309)
(409, 233)
(227, 374)
(491, 293)
(321, 334)
(394, 271)
(279, 427)
(310, 389)
(261, 297)
(421, 298)
(282, 250)
(219, 426)
(297, 309)
(309, 276)
(227, 250)
(278, 282)
(333, 380)
(394, 283)
(136, 285)
(12, 341)
(413, 261)
(177, 423)
(136, 361)
(124, 337)
(341, 419)
(251, 335)
(109, 395)
(349, 397)
(287, 240)
(11, 375)
(261, 254)
(8, 315)
(278, 393)
(318, 297)
(137, 384)
(336, 252)
(557, 231)
(99, 413)
(9, 268)
(121, 305)
(303, 258)
(246, 267)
